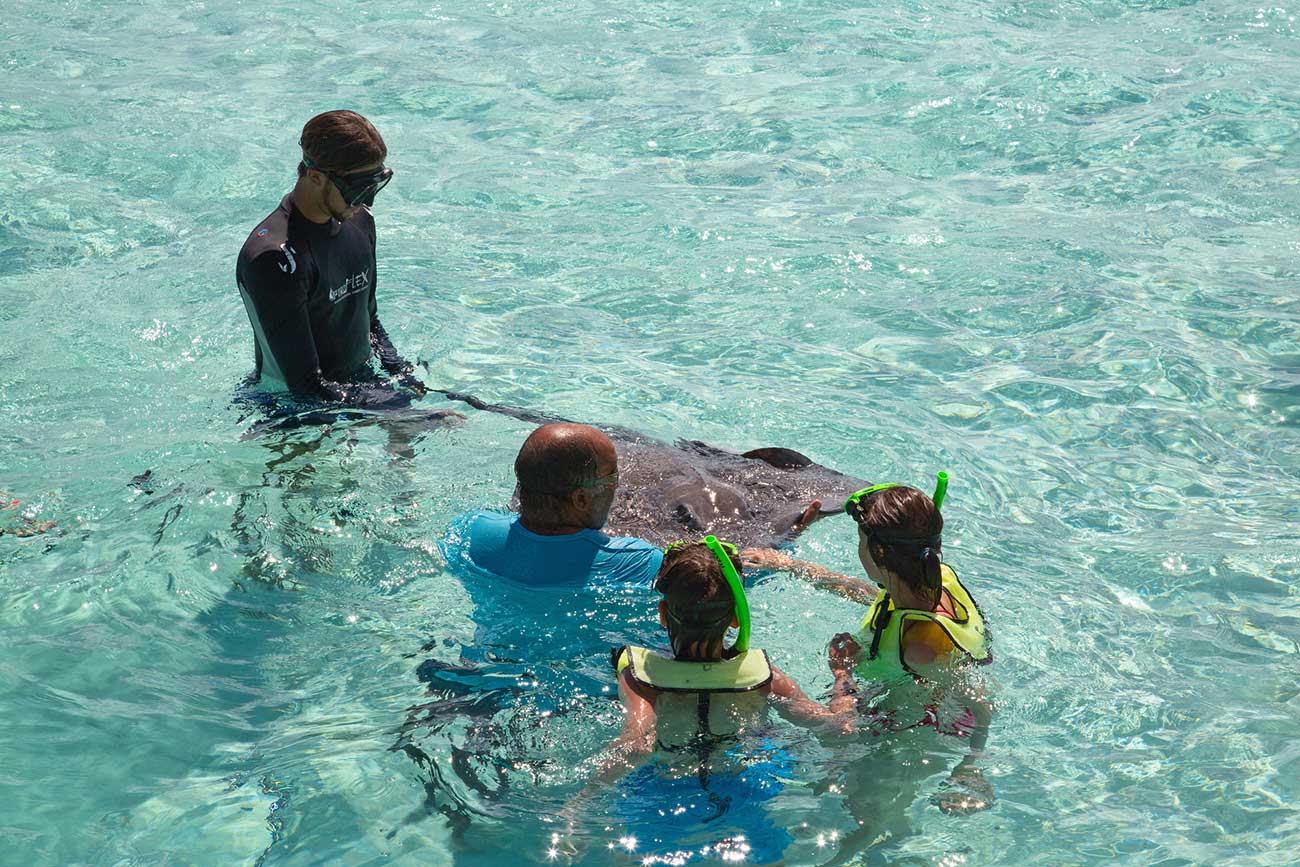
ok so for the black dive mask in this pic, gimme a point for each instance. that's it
(359, 188)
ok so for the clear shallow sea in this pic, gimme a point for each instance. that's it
(1049, 247)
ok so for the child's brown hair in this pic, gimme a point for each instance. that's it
(904, 531)
(700, 604)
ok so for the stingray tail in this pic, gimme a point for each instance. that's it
(531, 416)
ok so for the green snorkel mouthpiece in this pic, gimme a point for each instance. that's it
(737, 591)
(940, 489)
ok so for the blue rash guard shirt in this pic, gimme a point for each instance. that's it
(496, 543)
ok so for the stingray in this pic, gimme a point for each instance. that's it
(686, 489)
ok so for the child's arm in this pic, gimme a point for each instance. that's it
(635, 741)
(845, 653)
(792, 703)
(638, 735)
(853, 589)
(968, 790)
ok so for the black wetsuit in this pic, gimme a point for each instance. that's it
(309, 289)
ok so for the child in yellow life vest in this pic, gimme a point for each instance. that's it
(702, 690)
(701, 696)
(922, 623)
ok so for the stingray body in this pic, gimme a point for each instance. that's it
(686, 489)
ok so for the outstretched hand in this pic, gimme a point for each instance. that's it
(811, 514)
(409, 380)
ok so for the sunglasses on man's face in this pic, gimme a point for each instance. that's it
(609, 481)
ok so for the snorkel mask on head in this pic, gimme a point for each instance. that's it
(741, 608)
(855, 507)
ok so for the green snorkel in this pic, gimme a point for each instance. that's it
(940, 489)
(737, 590)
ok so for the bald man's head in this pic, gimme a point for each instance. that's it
(567, 475)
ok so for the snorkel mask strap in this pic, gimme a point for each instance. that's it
(855, 500)
(737, 591)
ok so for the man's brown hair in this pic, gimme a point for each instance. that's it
(340, 141)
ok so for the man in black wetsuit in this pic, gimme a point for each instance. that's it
(307, 273)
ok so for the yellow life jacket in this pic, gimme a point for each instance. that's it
(744, 672)
(700, 704)
(966, 631)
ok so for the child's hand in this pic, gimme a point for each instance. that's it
(811, 514)
(845, 652)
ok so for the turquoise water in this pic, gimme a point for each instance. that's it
(1048, 246)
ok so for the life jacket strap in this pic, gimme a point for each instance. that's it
(883, 614)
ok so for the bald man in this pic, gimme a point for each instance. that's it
(567, 476)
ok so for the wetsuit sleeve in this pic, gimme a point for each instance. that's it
(278, 303)
(383, 346)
